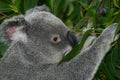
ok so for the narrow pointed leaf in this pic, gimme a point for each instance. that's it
(76, 50)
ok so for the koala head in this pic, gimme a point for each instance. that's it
(41, 32)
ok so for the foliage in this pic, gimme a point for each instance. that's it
(77, 49)
(77, 14)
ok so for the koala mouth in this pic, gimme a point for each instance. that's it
(67, 50)
(72, 39)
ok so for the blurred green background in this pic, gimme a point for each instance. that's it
(77, 14)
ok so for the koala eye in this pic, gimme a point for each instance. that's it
(56, 39)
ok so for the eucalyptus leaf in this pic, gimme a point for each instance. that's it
(84, 5)
(18, 4)
(29, 4)
(6, 1)
(76, 50)
(4, 7)
(52, 4)
(3, 48)
(115, 3)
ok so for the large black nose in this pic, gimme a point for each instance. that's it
(72, 39)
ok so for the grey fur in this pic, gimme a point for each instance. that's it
(15, 21)
(38, 9)
(37, 58)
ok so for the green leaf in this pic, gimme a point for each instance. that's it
(84, 5)
(92, 14)
(71, 8)
(111, 62)
(6, 1)
(1, 55)
(19, 5)
(82, 21)
(4, 7)
(76, 50)
(3, 48)
(52, 4)
(115, 3)
(106, 71)
(29, 4)
(118, 29)
(69, 23)
(14, 8)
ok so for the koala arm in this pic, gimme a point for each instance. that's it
(85, 65)
(20, 66)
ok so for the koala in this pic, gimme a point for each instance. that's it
(37, 42)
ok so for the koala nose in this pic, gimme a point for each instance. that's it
(72, 39)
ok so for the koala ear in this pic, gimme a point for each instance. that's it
(38, 9)
(13, 29)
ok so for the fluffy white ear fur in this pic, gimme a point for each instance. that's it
(19, 35)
